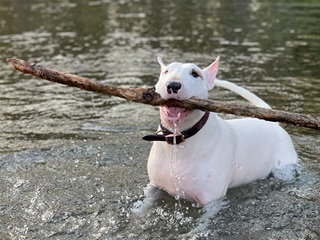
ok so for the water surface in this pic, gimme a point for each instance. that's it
(73, 163)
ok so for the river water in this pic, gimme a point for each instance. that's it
(73, 163)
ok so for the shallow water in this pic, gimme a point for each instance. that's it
(73, 163)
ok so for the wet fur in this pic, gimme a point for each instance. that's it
(223, 154)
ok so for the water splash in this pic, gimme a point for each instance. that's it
(210, 210)
(286, 173)
(174, 160)
(176, 175)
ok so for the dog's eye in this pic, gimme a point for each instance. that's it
(194, 73)
(166, 71)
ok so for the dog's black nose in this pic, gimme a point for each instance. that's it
(173, 87)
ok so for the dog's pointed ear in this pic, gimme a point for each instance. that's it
(161, 63)
(211, 73)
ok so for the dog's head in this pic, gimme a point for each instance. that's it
(183, 81)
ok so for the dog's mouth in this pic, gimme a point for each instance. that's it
(174, 114)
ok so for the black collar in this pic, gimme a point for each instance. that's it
(171, 138)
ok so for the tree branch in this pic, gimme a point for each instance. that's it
(148, 96)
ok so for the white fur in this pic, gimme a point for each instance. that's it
(222, 154)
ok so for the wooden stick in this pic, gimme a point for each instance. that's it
(148, 96)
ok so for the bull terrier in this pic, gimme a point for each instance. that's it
(196, 155)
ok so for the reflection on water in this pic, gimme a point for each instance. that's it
(72, 163)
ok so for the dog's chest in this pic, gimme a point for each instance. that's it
(178, 169)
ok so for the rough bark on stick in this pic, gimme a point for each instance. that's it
(147, 96)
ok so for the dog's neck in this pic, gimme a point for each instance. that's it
(184, 124)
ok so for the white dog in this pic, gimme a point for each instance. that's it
(197, 155)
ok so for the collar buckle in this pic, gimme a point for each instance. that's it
(175, 139)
